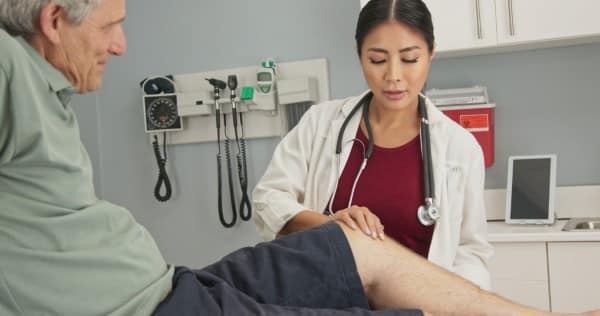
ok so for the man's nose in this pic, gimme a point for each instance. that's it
(118, 44)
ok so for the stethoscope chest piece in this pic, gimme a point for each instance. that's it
(428, 214)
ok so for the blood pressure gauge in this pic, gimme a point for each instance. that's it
(161, 113)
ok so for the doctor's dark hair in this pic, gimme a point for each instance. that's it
(413, 13)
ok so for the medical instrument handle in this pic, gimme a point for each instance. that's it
(232, 83)
(216, 83)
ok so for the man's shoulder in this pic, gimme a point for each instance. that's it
(11, 51)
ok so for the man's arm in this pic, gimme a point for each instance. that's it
(279, 195)
(6, 146)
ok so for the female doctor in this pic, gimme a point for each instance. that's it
(373, 160)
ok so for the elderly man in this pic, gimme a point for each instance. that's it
(64, 252)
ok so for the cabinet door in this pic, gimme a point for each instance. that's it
(520, 273)
(521, 21)
(574, 276)
(463, 24)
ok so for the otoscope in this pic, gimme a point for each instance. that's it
(218, 85)
(241, 154)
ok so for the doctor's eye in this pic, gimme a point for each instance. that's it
(410, 61)
(376, 61)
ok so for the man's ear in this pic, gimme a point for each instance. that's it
(51, 18)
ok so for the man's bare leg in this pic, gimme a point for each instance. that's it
(395, 277)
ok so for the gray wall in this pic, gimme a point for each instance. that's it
(545, 104)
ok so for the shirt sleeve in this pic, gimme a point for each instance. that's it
(6, 147)
(474, 251)
(279, 195)
(8, 305)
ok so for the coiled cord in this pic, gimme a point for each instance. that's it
(163, 177)
(243, 176)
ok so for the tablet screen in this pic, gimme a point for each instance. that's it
(530, 189)
(530, 198)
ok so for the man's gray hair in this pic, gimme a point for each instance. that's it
(20, 17)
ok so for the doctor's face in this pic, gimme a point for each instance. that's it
(395, 61)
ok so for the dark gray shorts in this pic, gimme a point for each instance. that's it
(307, 273)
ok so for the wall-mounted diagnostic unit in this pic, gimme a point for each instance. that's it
(160, 105)
(263, 101)
(160, 115)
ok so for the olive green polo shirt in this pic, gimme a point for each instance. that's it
(62, 251)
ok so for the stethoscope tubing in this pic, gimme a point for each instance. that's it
(431, 213)
(426, 152)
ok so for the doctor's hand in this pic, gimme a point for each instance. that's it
(361, 217)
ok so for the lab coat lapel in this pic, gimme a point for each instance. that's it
(349, 134)
(438, 141)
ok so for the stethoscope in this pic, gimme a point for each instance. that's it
(427, 213)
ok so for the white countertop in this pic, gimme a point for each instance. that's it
(502, 232)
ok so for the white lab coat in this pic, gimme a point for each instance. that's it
(302, 175)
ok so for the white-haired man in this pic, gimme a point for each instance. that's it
(64, 252)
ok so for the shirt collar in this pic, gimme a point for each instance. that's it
(57, 81)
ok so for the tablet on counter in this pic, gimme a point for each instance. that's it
(530, 189)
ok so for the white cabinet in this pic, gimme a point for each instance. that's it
(463, 24)
(520, 273)
(522, 21)
(574, 275)
(499, 25)
(552, 276)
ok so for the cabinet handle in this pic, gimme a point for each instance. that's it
(511, 18)
(478, 12)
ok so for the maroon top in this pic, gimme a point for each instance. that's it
(391, 186)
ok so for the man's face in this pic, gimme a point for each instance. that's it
(85, 49)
